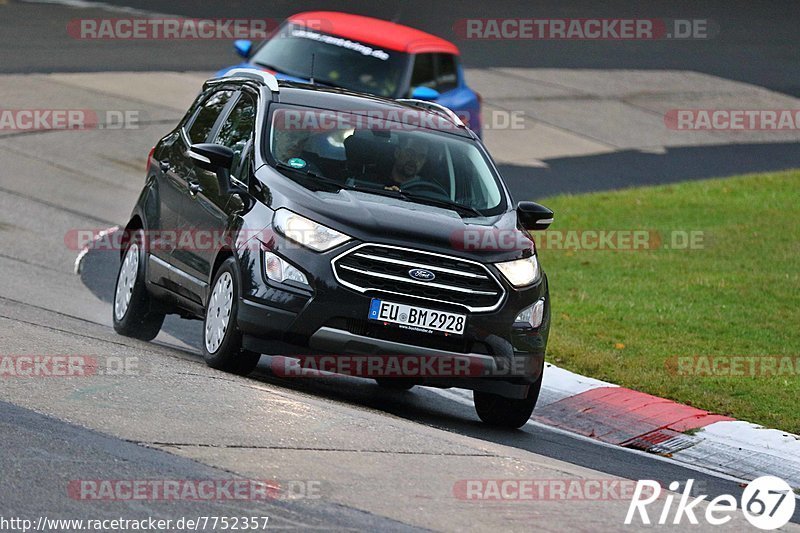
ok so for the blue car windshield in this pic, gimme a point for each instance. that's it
(338, 61)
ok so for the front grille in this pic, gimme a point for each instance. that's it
(378, 268)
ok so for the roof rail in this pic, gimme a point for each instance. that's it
(259, 75)
(435, 108)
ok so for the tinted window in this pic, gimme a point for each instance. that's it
(447, 73)
(237, 130)
(243, 170)
(207, 116)
(424, 74)
(436, 71)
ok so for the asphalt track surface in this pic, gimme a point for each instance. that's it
(42, 309)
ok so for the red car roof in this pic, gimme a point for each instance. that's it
(374, 31)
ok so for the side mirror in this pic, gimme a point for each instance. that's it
(211, 157)
(214, 158)
(424, 93)
(533, 216)
(243, 47)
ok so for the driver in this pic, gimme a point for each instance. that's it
(409, 158)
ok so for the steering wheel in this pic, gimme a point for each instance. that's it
(426, 187)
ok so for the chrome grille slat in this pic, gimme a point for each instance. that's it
(415, 282)
(419, 265)
(382, 269)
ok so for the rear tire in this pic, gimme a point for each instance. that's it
(394, 384)
(132, 309)
(500, 411)
(222, 340)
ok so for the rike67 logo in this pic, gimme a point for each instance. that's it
(767, 503)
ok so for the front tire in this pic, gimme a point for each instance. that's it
(133, 312)
(500, 411)
(222, 340)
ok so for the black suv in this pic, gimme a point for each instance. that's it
(310, 221)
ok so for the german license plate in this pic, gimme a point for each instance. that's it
(417, 318)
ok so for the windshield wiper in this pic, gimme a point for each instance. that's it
(441, 203)
(313, 175)
(340, 185)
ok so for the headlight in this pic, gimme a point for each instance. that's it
(307, 232)
(521, 272)
(278, 269)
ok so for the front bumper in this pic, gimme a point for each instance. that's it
(328, 318)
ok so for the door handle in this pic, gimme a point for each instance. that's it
(194, 188)
(164, 165)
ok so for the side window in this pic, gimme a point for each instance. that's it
(207, 116)
(446, 73)
(237, 130)
(424, 74)
(436, 71)
(245, 167)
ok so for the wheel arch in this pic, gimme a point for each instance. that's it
(223, 255)
(135, 223)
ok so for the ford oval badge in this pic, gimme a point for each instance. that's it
(421, 274)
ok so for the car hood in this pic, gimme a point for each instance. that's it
(382, 219)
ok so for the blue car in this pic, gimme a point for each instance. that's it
(367, 55)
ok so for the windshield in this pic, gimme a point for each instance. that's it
(385, 157)
(341, 62)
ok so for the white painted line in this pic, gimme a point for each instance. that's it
(746, 450)
(753, 437)
(85, 250)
